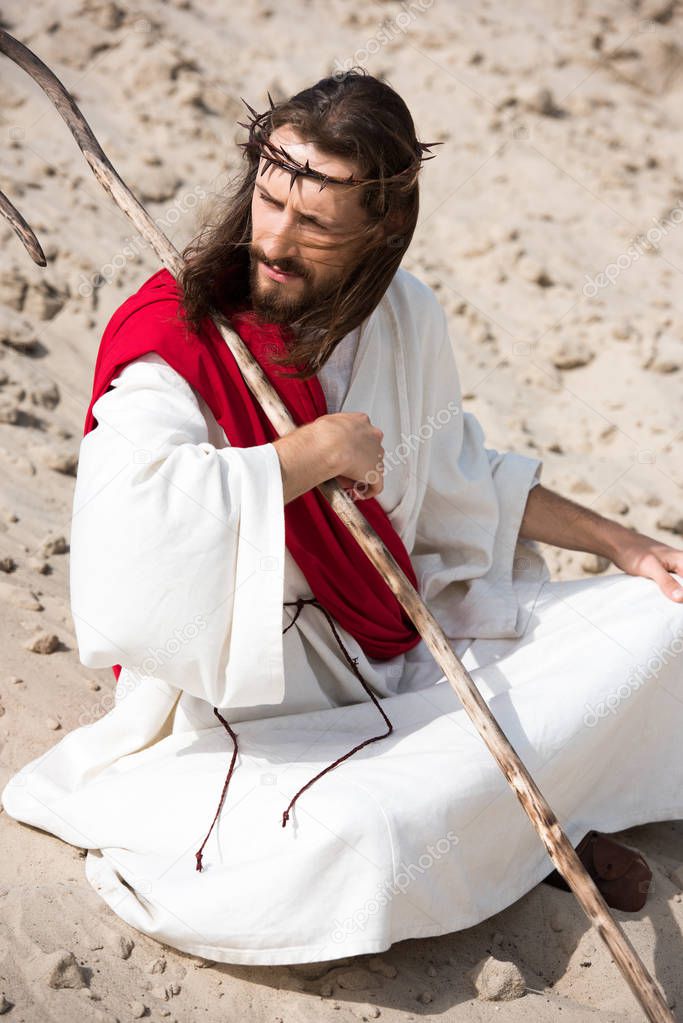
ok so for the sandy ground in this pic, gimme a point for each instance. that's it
(550, 228)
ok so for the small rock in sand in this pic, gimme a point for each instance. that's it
(594, 563)
(61, 970)
(356, 979)
(557, 921)
(157, 965)
(670, 518)
(123, 946)
(39, 566)
(571, 354)
(7, 565)
(9, 411)
(60, 459)
(137, 1010)
(46, 395)
(379, 965)
(43, 643)
(5, 1004)
(53, 545)
(497, 980)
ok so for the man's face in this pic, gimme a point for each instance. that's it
(289, 272)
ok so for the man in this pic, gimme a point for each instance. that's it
(194, 523)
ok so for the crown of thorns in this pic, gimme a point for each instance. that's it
(259, 143)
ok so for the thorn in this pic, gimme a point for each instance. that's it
(323, 184)
(294, 175)
(270, 100)
(249, 108)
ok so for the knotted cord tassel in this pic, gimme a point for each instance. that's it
(198, 854)
(353, 662)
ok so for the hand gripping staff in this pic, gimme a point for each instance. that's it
(534, 804)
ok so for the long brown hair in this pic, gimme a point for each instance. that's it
(351, 115)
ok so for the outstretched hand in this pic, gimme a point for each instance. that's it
(642, 555)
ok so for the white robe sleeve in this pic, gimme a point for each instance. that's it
(467, 553)
(177, 545)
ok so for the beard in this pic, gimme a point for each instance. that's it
(285, 301)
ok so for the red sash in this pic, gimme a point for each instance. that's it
(338, 572)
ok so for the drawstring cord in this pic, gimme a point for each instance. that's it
(353, 664)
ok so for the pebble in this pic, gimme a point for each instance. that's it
(616, 505)
(15, 680)
(20, 334)
(570, 354)
(13, 288)
(9, 411)
(580, 485)
(46, 395)
(431, 971)
(64, 460)
(53, 545)
(157, 965)
(44, 301)
(425, 997)
(356, 979)
(556, 922)
(7, 565)
(43, 643)
(671, 519)
(624, 331)
(63, 971)
(95, 686)
(137, 1010)
(379, 965)
(497, 980)
(123, 946)
(39, 565)
(539, 100)
(594, 563)
(53, 723)
(665, 356)
(5, 1004)
(534, 272)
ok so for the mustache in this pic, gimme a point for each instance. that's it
(286, 265)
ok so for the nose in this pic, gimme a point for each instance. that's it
(278, 241)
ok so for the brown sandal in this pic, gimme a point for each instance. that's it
(621, 874)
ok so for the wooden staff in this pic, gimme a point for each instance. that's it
(533, 802)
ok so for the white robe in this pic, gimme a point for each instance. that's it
(179, 573)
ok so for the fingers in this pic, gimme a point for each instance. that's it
(653, 568)
(672, 559)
